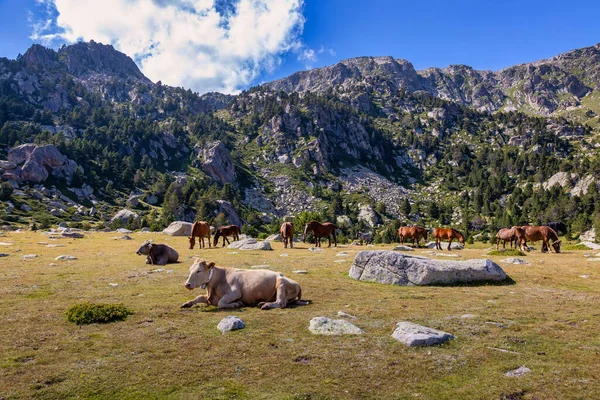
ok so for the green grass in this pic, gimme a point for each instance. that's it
(547, 320)
(577, 246)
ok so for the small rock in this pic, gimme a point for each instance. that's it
(55, 245)
(125, 237)
(157, 270)
(403, 248)
(340, 261)
(341, 254)
(63, 225)
(65, 257)
(326, 326)
(584, 276)
(123, 230)
(416, 335)
(315, 249)
(467, 316)
(300, 271)
(594, 259)
(260, 267)
(230, 324)
(53, 264)
(3, 254)
(29, 256)
(113, 284)
(514, 260)
(343, 314)
(170, 271)
(283, 255)
(232, 252)
(447, 255)
(522, 370)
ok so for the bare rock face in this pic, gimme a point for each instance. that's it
(367, 214)
(217, 162)
(41, 161)
(227, 209)
(124, 216)
(390, 267)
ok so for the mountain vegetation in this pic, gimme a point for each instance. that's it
(369, 142)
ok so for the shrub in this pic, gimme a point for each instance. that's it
(88, 313)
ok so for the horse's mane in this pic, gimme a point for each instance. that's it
(457, 231)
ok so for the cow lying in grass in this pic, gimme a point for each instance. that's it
(157, 254)
(233, 288)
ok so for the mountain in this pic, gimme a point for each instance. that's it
(565, 84)
(369, 142)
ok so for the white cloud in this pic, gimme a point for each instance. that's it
(308, 55)
(332, 52)
(206, 45)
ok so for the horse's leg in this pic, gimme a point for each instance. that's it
(335, 239)
(450, 244)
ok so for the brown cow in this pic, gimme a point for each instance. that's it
(543, 233)
(287, 234)
(200, 229)
(506, 235)
(412, 232)
(157, 254)
(233, 288)
(224, 231)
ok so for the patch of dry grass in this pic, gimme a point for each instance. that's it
(548, 321)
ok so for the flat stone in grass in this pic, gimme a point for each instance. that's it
(300, 271)
(66, 257)
(591, 245)
(450, 255)
(341, 254)
(390, 267)
(326, 326)
(403, 248)
(29, 256)
(3, 254)
(594, 259)
(72, 235)
(123, 230)
(262, 266)
(416, 335)
(522, 370)
(230, 323)
(315, 249)
(514, 260)
(250, 244)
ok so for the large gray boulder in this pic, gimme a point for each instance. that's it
(416, 335)
(216, 162)
(250, 244)
(39, 162)
(124, 216)
(390, 267)
(367, 214)
(231, 215)
(179, 228)
(454, 246)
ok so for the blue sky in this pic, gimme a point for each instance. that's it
(309, 33)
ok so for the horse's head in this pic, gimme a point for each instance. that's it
(217, 236)
(556, 246)
(424, 234)
(461, 239)
(192, 242)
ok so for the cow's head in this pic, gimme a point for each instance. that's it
(200, 274)
(144, 248)
(556, 246)
(193, 242)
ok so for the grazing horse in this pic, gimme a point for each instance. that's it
(224, 231)
(200, 229)
(287, 234)
(320, 230)
(366, 237)
(506, 235)
(447, 233)
(559, 227)
(544, 233)
(412, 232)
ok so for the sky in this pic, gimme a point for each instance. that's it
(230, 45)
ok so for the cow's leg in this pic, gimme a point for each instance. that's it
(161, 260)
(199, 299)
(280, 299)
(229, 300)
(149, 259)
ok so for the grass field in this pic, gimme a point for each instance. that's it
(548, 321)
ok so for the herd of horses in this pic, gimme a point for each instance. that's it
(517, 235)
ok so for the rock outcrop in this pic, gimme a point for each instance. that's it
(34, 163)
(216, 161)
(124, 216)
(179, 228)
(394, 268)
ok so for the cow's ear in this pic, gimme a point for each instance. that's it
(211, 265)
(149, 246)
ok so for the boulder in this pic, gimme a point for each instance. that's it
(63, 225)
(65, 257)
(250, 244)
(133, 201)
(326, 326)
(514, 260)
(367, 214)
(455, 245)
(274, 238)
(123, 230)
(416, 335)
(41, 161)
(590, 245)
(344, 221)
(390, 267)
(588, 236)
(124, 216)
(72, 235)
(230, 323)
(216, 162)
(231, 215)
(179, 228)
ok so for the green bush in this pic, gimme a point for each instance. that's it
(88, 313)
(507, 252)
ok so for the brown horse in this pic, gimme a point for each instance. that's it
(287, 234)
(320, 230)
(200, 229)
(544, 233)
(224, 231)
(412, 232)
(506, 235)
(449, 234)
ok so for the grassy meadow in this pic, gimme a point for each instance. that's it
(548, 321)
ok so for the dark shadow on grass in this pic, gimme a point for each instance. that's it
(506, 282)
